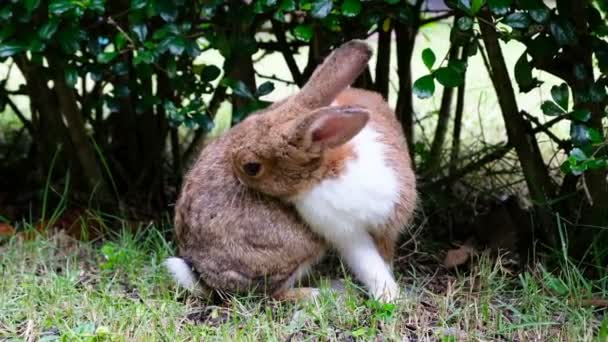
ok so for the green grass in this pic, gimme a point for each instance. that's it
(58, 288)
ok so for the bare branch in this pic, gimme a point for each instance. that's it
(279, 32)
(26, 123)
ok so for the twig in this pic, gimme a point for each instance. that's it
(436, 18)
(498, 153)
(539, 127)
(115, 24)
(26, 123)
(296, 74)
(274, 78)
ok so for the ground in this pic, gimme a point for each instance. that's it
(53, 287)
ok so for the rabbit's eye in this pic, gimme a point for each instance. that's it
(252, 169)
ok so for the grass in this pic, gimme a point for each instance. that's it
(58, 288)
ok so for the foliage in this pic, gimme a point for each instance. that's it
(549, 34)
(121, 94)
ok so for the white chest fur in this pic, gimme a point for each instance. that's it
(361, 198)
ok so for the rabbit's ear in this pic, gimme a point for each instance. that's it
(328, 127)
(338, 71)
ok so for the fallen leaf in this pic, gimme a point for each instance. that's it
(458, 256)
(6, 230)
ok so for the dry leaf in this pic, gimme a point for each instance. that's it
(457, 257)
(6, 230)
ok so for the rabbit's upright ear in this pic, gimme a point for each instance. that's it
(328, 127)
(338, 71)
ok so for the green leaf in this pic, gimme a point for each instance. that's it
(264, 89)
(595, 164)
(551, 109)
(303, 32)
(144, 57)
(471, 49)
(31, 5)
(138, 4)
(476, 5)
(167, 9)
(6, 31)
(464, 23)
(177, 45)
(10, 49)
(595, 136)
(287, 5)
(238, 87)
(581, 114)
(542, 46)
(69, 39)
(540, 15)
(563, 32)
(48, 29)
(449, 76)
(141, 31)
(351, 8)
(578, 154)
(209, 73)
(120, 41)
(500, 7)
(106, 57)
(424, 87)
(59, 7)
(428, 57)
(321, 8)
(392, 2)
(518, 20)
(523, 74)
(471, 6)
(71, 76)
(561, 95)
(579, 134)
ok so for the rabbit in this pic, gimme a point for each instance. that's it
(235, 240)
(339, 156)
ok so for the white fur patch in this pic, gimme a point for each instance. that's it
(181, 273)
(362, 197)
(347, 208)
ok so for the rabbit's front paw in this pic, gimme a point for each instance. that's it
(388, 293)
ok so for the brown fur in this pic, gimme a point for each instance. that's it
(292, 164)
(236, 239)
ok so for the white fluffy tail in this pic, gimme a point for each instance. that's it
(183, 274)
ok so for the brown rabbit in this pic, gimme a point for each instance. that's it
(340, 157)
(236, 240)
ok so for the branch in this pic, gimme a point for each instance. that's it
(26, 123)
(274, 78)
(276, 46)
(277, 28)
(540, 127)
(436, 18)
(498, 153)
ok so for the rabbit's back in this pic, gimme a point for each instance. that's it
(236, 239)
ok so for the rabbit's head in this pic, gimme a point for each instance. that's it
(293, 145)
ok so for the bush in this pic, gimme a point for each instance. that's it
(119, 100)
